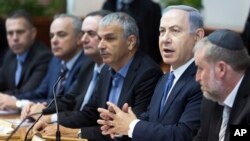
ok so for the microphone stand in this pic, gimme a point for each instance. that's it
(19, 125)
(58, 134)
(27, 133)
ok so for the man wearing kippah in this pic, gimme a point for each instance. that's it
(224, 75)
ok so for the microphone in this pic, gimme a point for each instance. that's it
(44, 112)
(27, 133)
(62, 75)
(19, 125)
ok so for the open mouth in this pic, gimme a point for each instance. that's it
(168, 50)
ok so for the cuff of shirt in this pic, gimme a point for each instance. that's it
(21, 103)
(132, 127)
(53, 118)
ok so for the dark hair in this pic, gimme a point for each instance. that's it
(20, 13)
(195, 18)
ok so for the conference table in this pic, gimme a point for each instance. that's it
(20, 134)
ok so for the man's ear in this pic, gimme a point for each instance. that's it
(221, 68)
(79, 39)
(33, 32)
(199, 34)
(131, 42)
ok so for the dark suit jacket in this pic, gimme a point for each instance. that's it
(147, 15)
(73, 100)
(179, 120)
(137, 90)
(33, 71)
(211, 113)
(45, 90)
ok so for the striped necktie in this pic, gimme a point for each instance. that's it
(62, 76)
(225, 118)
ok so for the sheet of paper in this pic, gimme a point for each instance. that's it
(5, 130)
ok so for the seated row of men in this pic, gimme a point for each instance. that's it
(98, 60)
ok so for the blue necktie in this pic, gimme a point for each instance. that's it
(18, 70)
(61, 83)
(90, 89)
(169, 84)
(115, 90)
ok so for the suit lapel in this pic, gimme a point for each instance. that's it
(215, 122)
(85, 84)
(106, 88)
(129, 79)
(183, 80)
(157, 103)
(73, 72)
(241, 98)
(237, 114)
(13, 67)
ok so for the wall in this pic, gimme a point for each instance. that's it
(230, 14)
(217, 13)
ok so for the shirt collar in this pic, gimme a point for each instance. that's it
(231, 97)
(72, 61)
(22, 57)
(98, 68)
(123, 71)
(180, 70)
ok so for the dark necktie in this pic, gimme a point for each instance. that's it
(18, 71)
(90, 89)
(62, 76)
(169, 84)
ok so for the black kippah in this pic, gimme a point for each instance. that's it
(226, 39)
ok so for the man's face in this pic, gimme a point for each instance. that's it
(175, 41)
(206, 76)
(90, 38)
(114, 47)
(20, 35)
(65, 43)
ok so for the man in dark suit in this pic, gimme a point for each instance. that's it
(147, 15)
(131, 78)
(173, 113)
(26, 63)
(223, 72)
(84, 86)
(66, 44)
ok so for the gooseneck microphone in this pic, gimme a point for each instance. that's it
(27, 133)
(19, 125)
(58, 134)
(61, 77)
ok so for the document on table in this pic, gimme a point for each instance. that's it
(6, 127)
